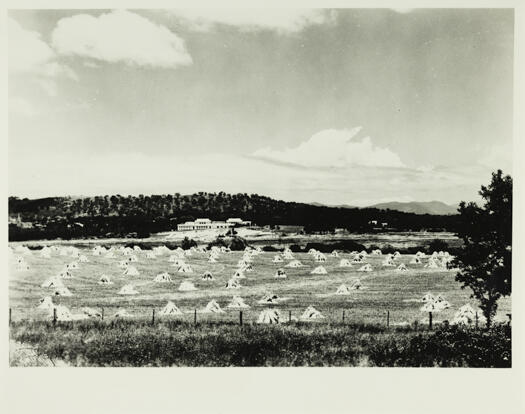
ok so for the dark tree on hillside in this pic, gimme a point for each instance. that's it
(486, 257)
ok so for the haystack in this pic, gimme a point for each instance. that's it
(237, 303)
(171, 309)
(187, 286)
(320, 258)
(162, 278)
(269, 299)
(123, 264)
(207, 276)
(356, 285)
(415, 260)
(280, 274)
(213, 307)
(334, 253)
(233, 284)
(343, 290)
(247, 268)
(466, 315)
(269, 316)
(239, 275)
(185, 268)
(128, 290)
(319, 270)
(62, 291)
(402, 268)
(22, 266)
(377, 252)
(104, 280)
(345, 263)
(434, 304)
(432, 264)
(277, 259)
(294, 263)
(131, 271)
(64, 274)
(311, 314)
(365, 268)
(53, 283)
(46, 304)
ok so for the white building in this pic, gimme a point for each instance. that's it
(203, 224)
(238, 222)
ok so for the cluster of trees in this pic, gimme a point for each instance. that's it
(119, 216)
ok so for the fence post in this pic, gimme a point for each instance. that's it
(429, 320)
(54, 317)
(476, 319)
(9, 316)
(387, 318)
(415, 325)
(153, 317)
(240, 318)
(343, 316)
(289, 316)
(195, 317)
(102, 314)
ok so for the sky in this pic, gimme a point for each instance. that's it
(345, 106)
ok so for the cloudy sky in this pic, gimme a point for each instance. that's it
(349, 106)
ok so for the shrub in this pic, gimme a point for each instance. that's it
(238, 243)
(188, 243)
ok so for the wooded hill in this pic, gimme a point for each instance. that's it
(139, 216)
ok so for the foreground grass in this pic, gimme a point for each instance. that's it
(176, 343)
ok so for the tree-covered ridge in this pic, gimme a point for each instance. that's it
(119, 215)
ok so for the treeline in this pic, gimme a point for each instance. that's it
(139, 216)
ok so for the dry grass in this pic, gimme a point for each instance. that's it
(384, 289)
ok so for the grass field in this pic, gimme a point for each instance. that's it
(383, 290)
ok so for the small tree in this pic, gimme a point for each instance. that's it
(486, 256)
(437, 245)
(188, 243)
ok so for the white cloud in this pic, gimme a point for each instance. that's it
(120, 36)
(283, 20)
(334, 148)
(29, 54)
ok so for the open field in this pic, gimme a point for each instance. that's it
(383, 289)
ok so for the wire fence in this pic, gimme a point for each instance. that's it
(241, 316)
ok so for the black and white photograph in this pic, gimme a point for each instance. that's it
(260, 187)
(176, 200)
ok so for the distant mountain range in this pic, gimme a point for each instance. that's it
(421, 207)
(416, 207)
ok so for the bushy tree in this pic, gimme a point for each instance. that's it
(238, 243)
(188, 243)
(485, 259)
(437, 245)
